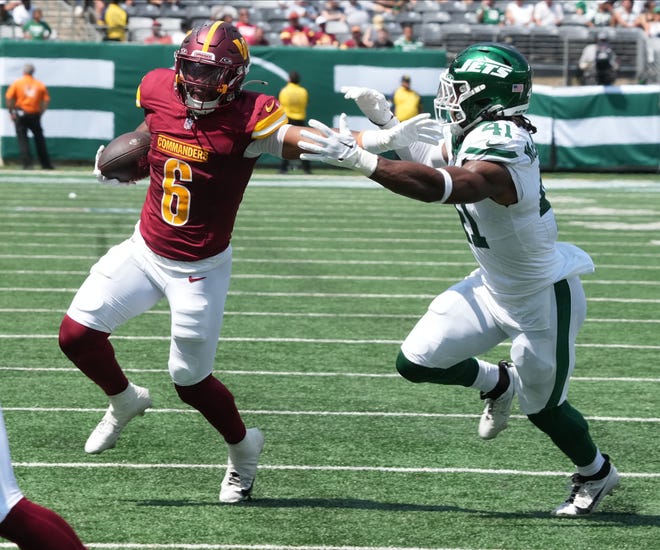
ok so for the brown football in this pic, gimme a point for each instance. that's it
(125, 157)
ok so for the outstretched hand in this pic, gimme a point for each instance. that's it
(336, 148)
(421, 128)
(373, 104)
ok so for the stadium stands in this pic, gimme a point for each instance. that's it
(448, 25)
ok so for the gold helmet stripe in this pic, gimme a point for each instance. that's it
(242, 46)
(209, 35)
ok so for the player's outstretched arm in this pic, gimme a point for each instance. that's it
(410, 179)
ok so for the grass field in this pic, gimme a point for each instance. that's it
(330, 274)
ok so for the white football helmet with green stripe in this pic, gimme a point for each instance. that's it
(484, 81)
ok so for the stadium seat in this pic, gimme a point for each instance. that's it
(170, 24)
(432, 34)
(519, 37)
(435, 17)
(336, 27)
(456, 37)
(137, 23)
(147, 10)
(427, 6)
(198, 11)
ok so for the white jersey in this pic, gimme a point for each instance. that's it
(10, 494)
(516, 246)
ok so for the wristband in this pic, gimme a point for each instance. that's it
(374, 141)
(449, 185)
(389, 124)
(366, 163)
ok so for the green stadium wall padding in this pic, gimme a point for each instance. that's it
(92, 87)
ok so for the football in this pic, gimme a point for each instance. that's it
(125, 157)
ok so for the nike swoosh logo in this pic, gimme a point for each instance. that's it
(192, 279)
(268, 108)
(489, 144)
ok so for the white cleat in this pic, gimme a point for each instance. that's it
(588, 492)
(242, 467)
(495, 417)
(124, 406)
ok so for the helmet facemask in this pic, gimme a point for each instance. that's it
(447, 104)
(205, 87)
(210, 67)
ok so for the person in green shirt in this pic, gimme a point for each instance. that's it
(36, 28)
(407, 41)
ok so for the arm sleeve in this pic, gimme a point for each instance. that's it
(271, 144)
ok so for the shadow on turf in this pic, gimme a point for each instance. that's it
(624, 518)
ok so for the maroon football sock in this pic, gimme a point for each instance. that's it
(216, 403)
(91, 351)
(33, 527)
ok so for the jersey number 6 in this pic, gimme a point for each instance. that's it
(175, 206)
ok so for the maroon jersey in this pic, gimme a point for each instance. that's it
(198, 172)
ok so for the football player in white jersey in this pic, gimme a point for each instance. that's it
(26, 523)
(527, 287)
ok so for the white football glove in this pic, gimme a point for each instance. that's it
(337, 148)
(421, 128)
(100, 177)
(373, 105)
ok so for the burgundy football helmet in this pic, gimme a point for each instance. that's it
(210, 66)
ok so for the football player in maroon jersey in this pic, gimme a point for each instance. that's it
(206, 136)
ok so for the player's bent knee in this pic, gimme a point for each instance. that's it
(76, 339)
(463, 373)
(416, 373)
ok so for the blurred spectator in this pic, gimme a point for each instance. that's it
(548, 13)
(519, 13)
(184, 27)
(407, 41)
(5, 15)
(224, 13)
(651, 26)
(260, 37)
(296, 34)
(407, 102)
(27, 100)
(332, 11)
(583, 13)
(369, 31)
(79, 8)
(649, 19)
(383, 39)
(624, 15)
(158, 34)
(245, 26)
(604, 14)
(356, 39)
(489, 14)
(113, 21)
(99, 10)
(386, 6)
(322, 38)
(598, 63)
(357, 12)
(21, 11)
(307, 12)
(294, 99)
(36, 28)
